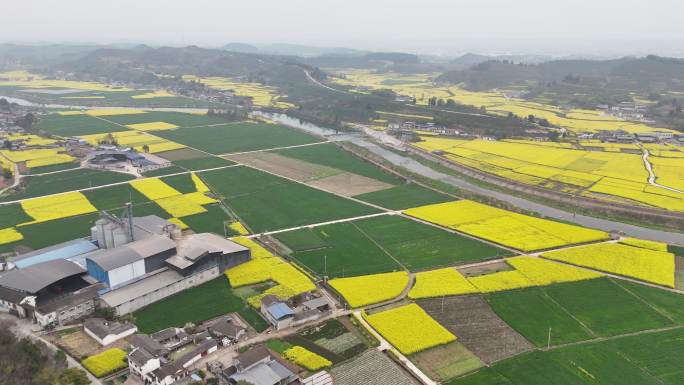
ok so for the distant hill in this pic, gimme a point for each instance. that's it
(125, 63)
(637, 74)
(240, 47)
(470, 59)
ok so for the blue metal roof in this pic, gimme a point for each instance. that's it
(279, 310)
(64, 250)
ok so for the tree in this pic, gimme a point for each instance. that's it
(146, 148)
(72, 376)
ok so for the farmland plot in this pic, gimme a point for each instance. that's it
(477, 327)
(606, 308)
(371, 368)
(237, 137)
(266, 202)
(634, 360)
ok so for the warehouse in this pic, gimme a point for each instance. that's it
(66, 250)
(51, 293)
(197, 258)
(122, 264)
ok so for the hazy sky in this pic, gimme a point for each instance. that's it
(362, 23)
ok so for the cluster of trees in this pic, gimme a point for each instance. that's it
(27, 362)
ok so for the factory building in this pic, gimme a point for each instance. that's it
(51, 293)
(198, 258)
(125, 263)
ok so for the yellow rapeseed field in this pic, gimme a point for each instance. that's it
(588, 168)
(154, 188)
(239, 228)
(38, 157)
(152, 126)
(262, 96)
(113, 111)
(265, 266)
(200, 186)
(29, 80)
(501, 281)
(409, 328)
(106, 362)
(51, 207)
(9, 235)
(542, 272)
(644, 244)
(306, 359)
(421, 87)
(153, 95)
(438, 283)
(180, 206)
(369, 289)
(179, 222)
(171, 200)
(507, 228)
(136, 139)
(643, 264)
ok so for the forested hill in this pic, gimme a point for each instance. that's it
(651, 73)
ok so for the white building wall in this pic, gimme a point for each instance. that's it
(126, 273)
(150, 298)
(110, 338)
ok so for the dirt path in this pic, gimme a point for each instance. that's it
(652, 175)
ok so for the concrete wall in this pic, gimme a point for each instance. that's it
(126, 273)
(176, 287)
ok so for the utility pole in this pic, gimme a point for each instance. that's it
(548, 341)
(325, 264)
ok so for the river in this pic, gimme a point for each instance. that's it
(418, 168)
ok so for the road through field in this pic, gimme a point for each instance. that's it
(550, 212)
(652, 175)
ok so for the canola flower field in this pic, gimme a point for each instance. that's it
(573, 170)
(409, 328)
(264, 267)
(306, 358)
(635, 262)
(262, 96)
(106, 362)
(369, 289)
(506, 228)
(421, 87)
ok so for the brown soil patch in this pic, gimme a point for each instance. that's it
(484, 269)
(281, 165)
(477, 327)
(181, 154)
(348, 184)
(79, 345)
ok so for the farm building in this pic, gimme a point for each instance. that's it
(277, 313)
(226, 329)
(259, 367)
(106, 332)
(51, 293)
(149, 360)
(111, 158)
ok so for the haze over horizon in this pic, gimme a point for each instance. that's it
(605, 28)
